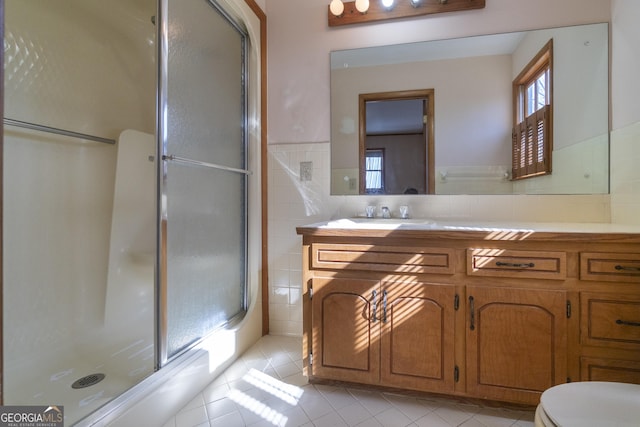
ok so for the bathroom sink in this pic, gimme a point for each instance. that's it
(380, 223)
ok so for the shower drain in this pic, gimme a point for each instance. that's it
(88, 381)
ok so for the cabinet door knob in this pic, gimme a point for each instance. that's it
(472, 316)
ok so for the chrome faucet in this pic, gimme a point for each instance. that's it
(386, 213)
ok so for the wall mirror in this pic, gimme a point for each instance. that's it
(470, 80)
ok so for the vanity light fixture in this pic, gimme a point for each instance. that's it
(361, 11)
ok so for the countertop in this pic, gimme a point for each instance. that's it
(486, 230)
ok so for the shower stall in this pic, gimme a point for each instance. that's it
(130, 206)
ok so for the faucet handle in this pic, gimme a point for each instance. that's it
(386, 213)
(370, 211)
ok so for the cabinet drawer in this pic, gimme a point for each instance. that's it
(397, 259)
(521, 264)
(610, 267)
(611, 320)
(601, 369)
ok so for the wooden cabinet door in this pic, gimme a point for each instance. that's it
(345, 329)
(417, 336)
(516, 342)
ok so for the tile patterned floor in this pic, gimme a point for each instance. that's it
(265, 387)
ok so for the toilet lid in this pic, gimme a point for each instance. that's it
(593, 404)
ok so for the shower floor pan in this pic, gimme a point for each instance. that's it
(80, 383)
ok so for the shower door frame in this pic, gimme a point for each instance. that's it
(261, 16)
(161, 325)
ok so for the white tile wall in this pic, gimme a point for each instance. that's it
(293, 202)
(580, 168)
(475, 179)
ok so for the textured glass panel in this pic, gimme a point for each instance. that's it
(205, 86)
(205, 207)
(205, 250)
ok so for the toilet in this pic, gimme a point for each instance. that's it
(589, 404)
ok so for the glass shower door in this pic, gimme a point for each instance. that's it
(204, 178)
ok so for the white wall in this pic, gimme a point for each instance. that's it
(455, 84)
(625, 86)
(299, 42)
(625, 135)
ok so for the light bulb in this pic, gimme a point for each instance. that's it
(362, 5)
(336, 7)
(387, 4)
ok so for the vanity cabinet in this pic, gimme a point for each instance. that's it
(475, 313)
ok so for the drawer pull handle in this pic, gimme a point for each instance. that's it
(375, 305)
(384, 306)
(627, 323)
(623, 268)
(472, 316)
(512, 264)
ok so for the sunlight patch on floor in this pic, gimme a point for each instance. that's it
(284, 392)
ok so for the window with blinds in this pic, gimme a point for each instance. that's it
(533, 119)
(374, 171)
